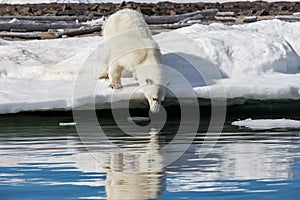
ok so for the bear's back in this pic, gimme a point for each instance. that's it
(126, 21)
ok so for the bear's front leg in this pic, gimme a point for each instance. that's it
(115, 73)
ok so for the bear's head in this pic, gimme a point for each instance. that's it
(155, 94)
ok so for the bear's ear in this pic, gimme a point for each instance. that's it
(149, 81)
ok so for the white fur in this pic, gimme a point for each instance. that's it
(128, 45)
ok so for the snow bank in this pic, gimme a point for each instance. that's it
(255, 61)
(259, 60)
(264, 124)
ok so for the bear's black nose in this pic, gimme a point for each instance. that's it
(155, 99)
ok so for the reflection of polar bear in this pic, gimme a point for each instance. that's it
(136, 175)
(128, 45)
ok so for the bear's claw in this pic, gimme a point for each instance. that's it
(115, 86)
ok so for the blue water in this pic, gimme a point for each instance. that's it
(41, 160)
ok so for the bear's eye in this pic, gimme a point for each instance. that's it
(155, 99)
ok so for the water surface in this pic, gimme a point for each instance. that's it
(41, 160)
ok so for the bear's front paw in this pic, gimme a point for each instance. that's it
(115, 86)
(104, 76)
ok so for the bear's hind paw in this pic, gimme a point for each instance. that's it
(104, 76)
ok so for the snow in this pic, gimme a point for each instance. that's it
(119, 1)
(264, 124)
(255, 61)
(259, 60)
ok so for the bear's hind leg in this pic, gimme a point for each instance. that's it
(115, 72)
(134, 75)
(104, 75)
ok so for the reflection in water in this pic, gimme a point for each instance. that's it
(136, 170)
(137, 176)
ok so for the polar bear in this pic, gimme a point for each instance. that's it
(129, 46)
